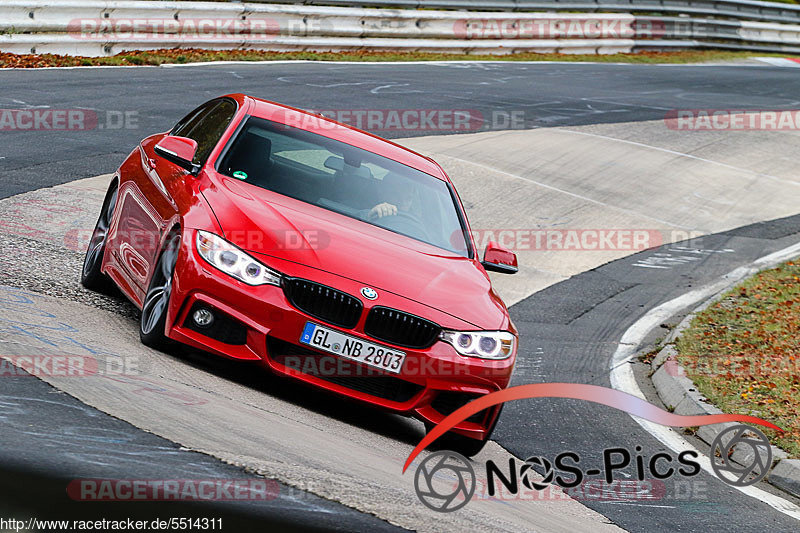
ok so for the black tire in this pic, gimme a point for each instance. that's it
(153, 321)
(91, 276)
(466, 446)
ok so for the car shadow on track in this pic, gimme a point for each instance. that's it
(256, 376)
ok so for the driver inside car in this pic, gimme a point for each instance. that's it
(399, 197)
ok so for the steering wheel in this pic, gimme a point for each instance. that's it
(403, 220)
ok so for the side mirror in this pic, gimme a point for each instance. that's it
(180, 151)
(498, 259)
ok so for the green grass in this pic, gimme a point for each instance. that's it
(159, 57)
(743, 352)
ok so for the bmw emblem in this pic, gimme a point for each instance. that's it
(369, 293)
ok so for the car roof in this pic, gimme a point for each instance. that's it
(341, 132)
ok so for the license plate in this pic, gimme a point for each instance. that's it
(331, 341)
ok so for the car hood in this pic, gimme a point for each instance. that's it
(270, 224)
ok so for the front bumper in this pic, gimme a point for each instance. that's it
(431, 384)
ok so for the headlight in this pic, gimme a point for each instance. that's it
(483, 344)
(234, 262)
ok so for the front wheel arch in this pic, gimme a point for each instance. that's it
(158, 297)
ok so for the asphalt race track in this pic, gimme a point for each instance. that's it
(569, 329)
(549, 94)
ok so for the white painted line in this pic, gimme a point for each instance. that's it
(622, 377)
(440, 63)
(779, 62)
(28, 69)
(446, 62)
(681, 154)
(574, 195)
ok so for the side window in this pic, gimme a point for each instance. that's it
(206, 124)
(189, 121)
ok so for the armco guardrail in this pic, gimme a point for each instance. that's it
(741, 9)
(82, 27)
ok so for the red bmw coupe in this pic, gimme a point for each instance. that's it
(261, 232)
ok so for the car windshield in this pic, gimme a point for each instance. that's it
(343, 178)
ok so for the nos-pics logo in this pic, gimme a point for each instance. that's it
(445, 481)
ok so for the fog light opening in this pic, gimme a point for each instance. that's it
(203, 317)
